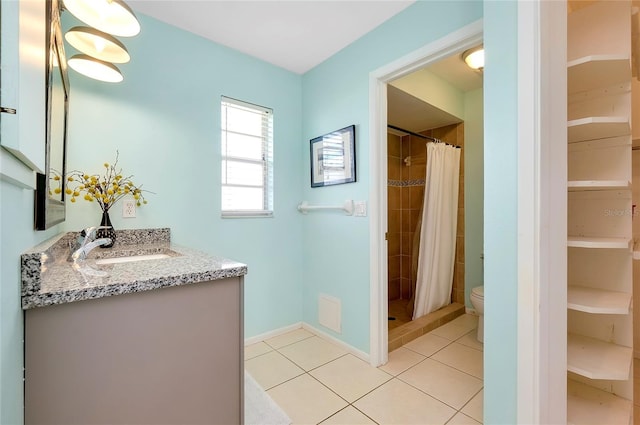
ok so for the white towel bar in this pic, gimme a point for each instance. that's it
(347, 207)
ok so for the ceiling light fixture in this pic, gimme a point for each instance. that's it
(111, 16)
(95, 68)
(97, 44)
(474, 58)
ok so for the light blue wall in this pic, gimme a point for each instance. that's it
(336, 94)
(17, 235)
(473, 191)
(164, 119)
(501, 212)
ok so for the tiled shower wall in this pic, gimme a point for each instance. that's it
(405, 197)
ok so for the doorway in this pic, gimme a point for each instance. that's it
(453, 44)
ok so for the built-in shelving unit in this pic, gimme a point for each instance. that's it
(597, 301)
(587, 185)
(600, 240)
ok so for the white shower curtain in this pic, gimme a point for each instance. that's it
(437, 251)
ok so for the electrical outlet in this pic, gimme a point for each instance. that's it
(128, 208)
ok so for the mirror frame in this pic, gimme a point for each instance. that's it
(49, 211)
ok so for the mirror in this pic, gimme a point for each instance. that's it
(50, 195)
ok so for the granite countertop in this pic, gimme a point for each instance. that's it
(48, 275)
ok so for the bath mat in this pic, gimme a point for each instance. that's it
(259, 408)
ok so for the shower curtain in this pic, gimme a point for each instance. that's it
(437, 252)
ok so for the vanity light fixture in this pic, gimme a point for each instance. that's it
(474, 58)
(111, 16)
(97, 44)
(95, 68)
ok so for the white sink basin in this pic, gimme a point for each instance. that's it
(131, 258)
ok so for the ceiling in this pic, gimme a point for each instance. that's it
(296, 35)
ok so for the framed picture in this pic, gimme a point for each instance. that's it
(333, 158)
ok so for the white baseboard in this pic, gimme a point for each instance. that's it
(350, 349)
(271, 334)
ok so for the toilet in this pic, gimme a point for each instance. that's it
(477, 300)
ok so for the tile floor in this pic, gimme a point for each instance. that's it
(435, 379)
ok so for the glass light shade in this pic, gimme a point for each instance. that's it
(98, 44)
(95, 68)
(111, 16)
(474, 58)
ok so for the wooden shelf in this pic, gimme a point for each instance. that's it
(597, 301)
(587, 185)
(588, 405)
(592, 128)
(597, 71)
(599, 243)
(597, 359)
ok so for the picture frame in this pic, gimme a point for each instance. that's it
(333, 158)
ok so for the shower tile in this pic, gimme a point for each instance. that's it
(428, 344)
(350, 377)
(460, 223)
(460, 249)
(394, 145)
(394, 196)
(394, 289)
(418, 171)
(405, 198)
(255, 350)
(399, 403)
(415, 218)
(463, 358)
(395, 221)
(306, 400)
(405, 266)
(395, 168)
(405, 288)
(410, 336)
(406, 219)
(271, 369)
(418, 147)
(395, 264)
(312, 352)
(401, 360)
(416, 195)
(406, 170)
(394, 243)
(442, 382)
(407, 237)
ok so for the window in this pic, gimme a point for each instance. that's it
(247, 159)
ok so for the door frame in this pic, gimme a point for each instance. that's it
(451, 44)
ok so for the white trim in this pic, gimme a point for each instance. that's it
(306, 326)
(451, 44)
(270, 334)
(542, 211)
(350, 349)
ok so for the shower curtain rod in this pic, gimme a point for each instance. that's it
(421, 135)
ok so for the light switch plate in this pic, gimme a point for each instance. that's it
(360, 208)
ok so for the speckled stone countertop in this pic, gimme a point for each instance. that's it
(48, 275)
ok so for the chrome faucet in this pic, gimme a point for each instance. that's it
(89, 242)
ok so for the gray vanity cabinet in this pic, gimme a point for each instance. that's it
(166, 356)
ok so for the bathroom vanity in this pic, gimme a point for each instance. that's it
(155, 341)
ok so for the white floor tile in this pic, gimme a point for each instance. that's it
(469, 321)
(349, 416)
(312, 352)
(396, 402)
(463, 358)
(350, 377)
(471, 340)
(401, 360)
(450, 331)
(462, 419)
(255, 350)
(442, 382)
(306, 400)
(474, 408)
(288, 338)
(428, 344)
(271, 369)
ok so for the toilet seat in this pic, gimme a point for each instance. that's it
(478, 292)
